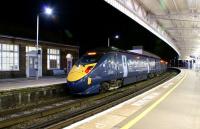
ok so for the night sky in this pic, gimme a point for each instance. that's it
(86, 23)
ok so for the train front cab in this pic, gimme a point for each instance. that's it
(79, 80)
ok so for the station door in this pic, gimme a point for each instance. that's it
(32, 66)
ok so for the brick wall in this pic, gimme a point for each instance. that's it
(64, 50)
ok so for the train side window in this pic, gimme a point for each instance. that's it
(110, 64)
(130, 61)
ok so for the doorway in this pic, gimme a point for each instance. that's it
(33, 63)
(69, 62)
(32, 66)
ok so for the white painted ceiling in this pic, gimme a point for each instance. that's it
(178, 19)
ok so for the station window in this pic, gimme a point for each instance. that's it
(53, 59)
(32, 49)
(9, 57)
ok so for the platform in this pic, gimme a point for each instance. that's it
(172, 105)
(18, 83)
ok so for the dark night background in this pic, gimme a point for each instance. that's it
(87, 23)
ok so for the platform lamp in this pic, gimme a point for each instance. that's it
(116, 37)
(47, 11)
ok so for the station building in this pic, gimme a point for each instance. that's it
(19, 58)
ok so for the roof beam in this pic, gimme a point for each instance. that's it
(189, 39)
(183, 28)
(190, 14)
(175, 5)
(186, 37)
(194, 17)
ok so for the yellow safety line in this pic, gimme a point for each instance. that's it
(144, 113)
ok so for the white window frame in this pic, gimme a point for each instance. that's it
(32, 48)
(7, 57)
(55, 53)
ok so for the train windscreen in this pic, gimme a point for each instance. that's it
(88, 59)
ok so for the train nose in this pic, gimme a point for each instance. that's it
(74, 76)
(77, 86)
(76, 73)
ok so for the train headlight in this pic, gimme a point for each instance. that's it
(89, 80)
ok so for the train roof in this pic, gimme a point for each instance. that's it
(150, 54)
(114, 49)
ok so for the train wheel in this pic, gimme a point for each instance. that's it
(119, 83)
(104, 87)
(150, 76)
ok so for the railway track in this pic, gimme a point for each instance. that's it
(73, 109)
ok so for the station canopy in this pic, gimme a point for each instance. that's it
(176, 22)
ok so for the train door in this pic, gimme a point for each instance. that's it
(125, 66)
(148, 67)
(110, 67)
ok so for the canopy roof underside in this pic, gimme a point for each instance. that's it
(178, 21)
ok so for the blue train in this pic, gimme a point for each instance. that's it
(106, 69)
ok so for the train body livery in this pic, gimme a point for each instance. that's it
(102, 70)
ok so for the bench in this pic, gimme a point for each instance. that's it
(58, 72)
